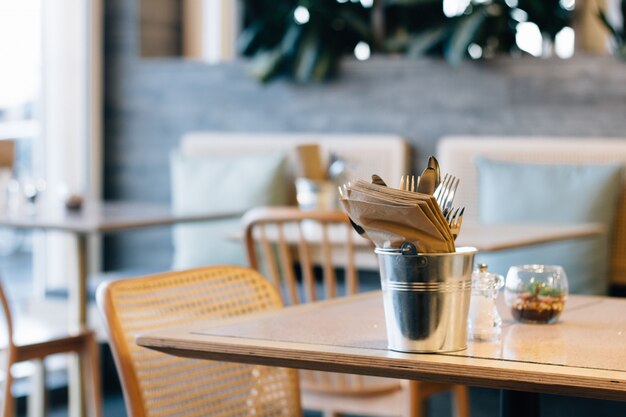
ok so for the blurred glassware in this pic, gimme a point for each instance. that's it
(484, 323)
(316, 195)
(336, 169)
(32, 189)
(536, 293)
(15, 197)
(5, 179)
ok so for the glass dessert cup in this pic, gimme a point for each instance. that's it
(536, 293)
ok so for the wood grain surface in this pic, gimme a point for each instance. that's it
(581, 355)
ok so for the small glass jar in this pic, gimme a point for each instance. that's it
(536, 293)
(484, 322)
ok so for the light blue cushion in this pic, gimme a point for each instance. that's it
(221, 184)
(552, 194)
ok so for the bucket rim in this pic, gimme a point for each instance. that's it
(463, 250)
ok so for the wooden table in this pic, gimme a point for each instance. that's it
(500, 237)
(96, 218)
(484, 237)
(582, 355)
(99, 218)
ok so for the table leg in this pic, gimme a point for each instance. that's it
(519, 404)
(77, 292)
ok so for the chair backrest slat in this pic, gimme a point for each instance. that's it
(287, 265)
(316, 240)
(268, 255)
(321, 241)
(330, 279)
(306, 266)
(352, 283)
(7, 356)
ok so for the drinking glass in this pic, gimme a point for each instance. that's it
(536, 293)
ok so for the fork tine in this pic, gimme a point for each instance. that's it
(448, 215)
(460, 218)
(456, 213)
(451, 215)
(447, 198)
(456, 221)
(402, 182)
(443, 189)
(444, 194)
(412, 182)
(440, 187)
(450, 197)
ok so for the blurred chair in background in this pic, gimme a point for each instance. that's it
(34, 341)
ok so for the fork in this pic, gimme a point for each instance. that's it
(444, 194)
(409, 182)
(441, 187)
(455, 219)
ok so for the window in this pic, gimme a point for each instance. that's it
(20, 78)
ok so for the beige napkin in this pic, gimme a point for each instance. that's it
(408, 197)
(391, 217)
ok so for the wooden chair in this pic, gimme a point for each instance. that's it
(155, 383)
(289, 246)
(34, 341)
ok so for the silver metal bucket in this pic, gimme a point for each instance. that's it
(426, 298)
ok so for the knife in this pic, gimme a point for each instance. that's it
(434, 164)
(377, 180)
(427, 181)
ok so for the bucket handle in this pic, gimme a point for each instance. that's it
(408, 248)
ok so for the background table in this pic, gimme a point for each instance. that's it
(93, 219)
(500, 237)
(98, 218)
(581, 355)
(484, 237)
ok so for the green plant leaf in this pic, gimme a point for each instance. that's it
(247, 38)
(397, 43)
(420, 44)
(410, 2)
(463, 35)
(290, 41)
(264, 65)
(356, 23)
(307, 57)
(324, 66)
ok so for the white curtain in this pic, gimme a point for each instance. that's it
(69, 157)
